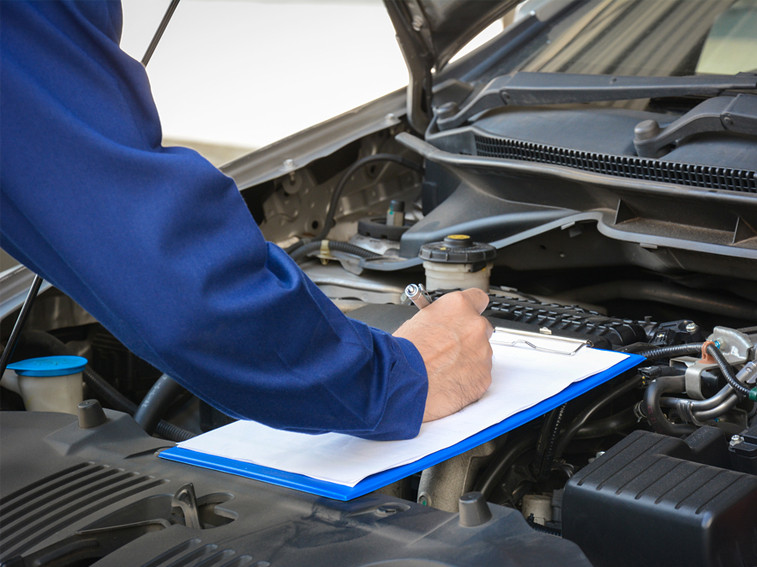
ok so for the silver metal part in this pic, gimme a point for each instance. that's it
(442, 485)
(369, 287)
(417, 294)
(731, 400)
(378, 245)
(700, 411)
(735, 345)
(693, 377)
(748, 374)
(737, 348)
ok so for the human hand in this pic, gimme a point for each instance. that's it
(453, 340)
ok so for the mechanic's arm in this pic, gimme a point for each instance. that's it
(453, 340)
(160, 248)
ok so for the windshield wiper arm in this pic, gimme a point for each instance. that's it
(532, 89)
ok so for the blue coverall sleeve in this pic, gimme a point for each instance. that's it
(158, 245)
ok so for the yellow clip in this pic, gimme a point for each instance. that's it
(325, 252)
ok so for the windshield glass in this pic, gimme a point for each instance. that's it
(647, 37)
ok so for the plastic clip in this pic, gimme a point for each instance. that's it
(707, 358)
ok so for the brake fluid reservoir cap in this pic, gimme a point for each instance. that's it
(458, 249)
(49, 366)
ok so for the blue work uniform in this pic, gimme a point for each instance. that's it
(158, 245)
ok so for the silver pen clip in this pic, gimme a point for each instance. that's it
(418, 295)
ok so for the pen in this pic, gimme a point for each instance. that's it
(418, 295)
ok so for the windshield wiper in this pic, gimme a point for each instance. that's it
(532, 89)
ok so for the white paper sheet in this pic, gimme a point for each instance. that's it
(523, 375)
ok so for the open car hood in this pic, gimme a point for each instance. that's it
(439, 28)
(430, 33)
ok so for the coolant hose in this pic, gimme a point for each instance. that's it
(652, 409)
(581, 420)
(162, 394)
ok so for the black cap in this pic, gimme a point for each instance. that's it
(91, 414)
(474, 511)
(458, 249)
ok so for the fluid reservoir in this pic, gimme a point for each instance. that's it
(50, 383)
(457, 262)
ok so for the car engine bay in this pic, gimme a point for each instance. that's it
(630, 226)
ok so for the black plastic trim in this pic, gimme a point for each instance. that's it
(632, 167)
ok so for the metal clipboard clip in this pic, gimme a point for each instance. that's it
(527, 339)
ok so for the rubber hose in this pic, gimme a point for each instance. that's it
(668, 351)
(616, 423)
(652, 410)
(581, 420)
(172, 432)
(694, 406)
(542, 529)
(719, 410)
(337, 193)
(104, 391)
(302, 252)
(512, 452)
(162, 394)
(545, 465)
(741, 390)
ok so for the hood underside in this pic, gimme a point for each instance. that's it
(430, 33)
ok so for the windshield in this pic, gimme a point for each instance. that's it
(647, 37)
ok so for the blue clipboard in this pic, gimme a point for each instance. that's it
(384, 478)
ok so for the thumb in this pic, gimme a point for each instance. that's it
(478, 299)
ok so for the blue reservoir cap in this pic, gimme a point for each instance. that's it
(49, 366)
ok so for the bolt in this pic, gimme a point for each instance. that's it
(289, 164)
(447, 109)
(646, 130)
(736, 440)
(417, 23)
(691, 327)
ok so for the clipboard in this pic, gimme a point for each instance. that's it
(563, 350)
(564, 346)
